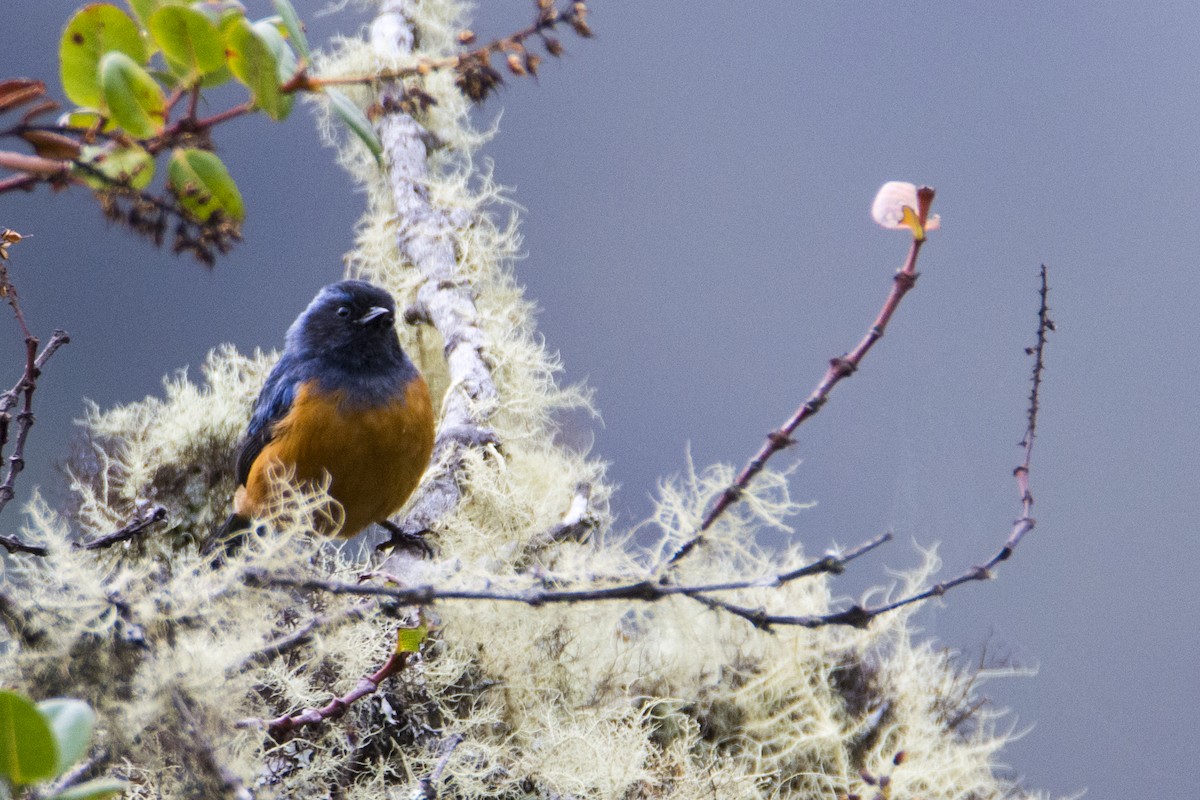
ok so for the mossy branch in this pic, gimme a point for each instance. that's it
(426, 238)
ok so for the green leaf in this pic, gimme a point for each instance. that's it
(269, 32)
(28, 752)
(135, 101)
(189, 39)
(356, 121)
(72, 722)
(84, 118)
(255, 64)
(98, 789)
(123, 164)
(203, 185)
(295, 28)
(409, 640)
(93, 31)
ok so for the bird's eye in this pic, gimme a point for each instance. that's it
(343, 311)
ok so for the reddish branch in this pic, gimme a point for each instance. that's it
(839, 368)
(860, 616)
(476, 76)
(283, 726)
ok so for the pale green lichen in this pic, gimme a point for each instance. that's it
(603, 700)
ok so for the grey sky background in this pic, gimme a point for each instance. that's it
(696, 184)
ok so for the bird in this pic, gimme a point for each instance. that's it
(344, 403)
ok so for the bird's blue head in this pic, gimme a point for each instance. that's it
(349, 325)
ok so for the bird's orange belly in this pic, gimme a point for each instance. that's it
(374, 457)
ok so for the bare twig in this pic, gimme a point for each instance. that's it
(1024, 523)
(839, 368)
(144, 519)
(140, 523)
(14, 544)
(285, 725)
(640, 590)
(859, 616)
(21, 392)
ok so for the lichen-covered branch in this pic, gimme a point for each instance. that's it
(426, 237)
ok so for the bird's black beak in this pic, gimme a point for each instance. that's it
(376, 312)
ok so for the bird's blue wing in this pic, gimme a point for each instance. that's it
(272, 405)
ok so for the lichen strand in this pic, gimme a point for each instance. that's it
(612, 700)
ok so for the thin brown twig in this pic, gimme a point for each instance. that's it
(139, 524)
(286, 724)
(22, 392)
(142, 520)
(859, 616)
(839, 368)
(24, 388)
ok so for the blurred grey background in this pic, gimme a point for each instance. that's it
(697, 180)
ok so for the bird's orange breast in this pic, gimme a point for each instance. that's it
(373, 456)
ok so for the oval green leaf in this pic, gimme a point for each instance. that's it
(134, 100)
(98, 789)
(254, 63)
(93, 31)
(72, 722)
(295, 28)
(203, 185)
(129, 165)
(409, 640)
(356, 121)
(85, 119)
(28, 752)
(269, 32)
(189, 39)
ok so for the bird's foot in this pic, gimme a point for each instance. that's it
(405, 540)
